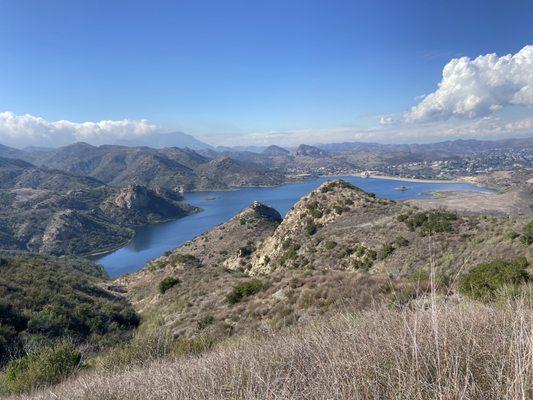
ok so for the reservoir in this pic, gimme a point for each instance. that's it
(153, 240)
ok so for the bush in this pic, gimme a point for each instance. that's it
(429, 223)
(527, 234)
(167, 284)
(401, 241)
(204, 322)
(512, 235)
(330, 244)
(402, 217)
(46, 300)
(243, 290)
(386, 251)
(438, 222)
(46, 367)
(484, 280)
(310, 228)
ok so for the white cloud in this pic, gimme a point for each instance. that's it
(478, 87)
(386, 120)
(525, 124)
(28, 130)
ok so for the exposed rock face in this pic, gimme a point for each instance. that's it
(134, 196)
(231, 243)
(137, 205)
(310, 151)
(266, 212)
(295, 237)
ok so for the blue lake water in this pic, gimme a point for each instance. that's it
(153, 240)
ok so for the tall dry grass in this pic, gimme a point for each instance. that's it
(435, 350)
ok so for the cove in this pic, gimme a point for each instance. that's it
(153, 240)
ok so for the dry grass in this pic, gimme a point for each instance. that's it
(434, 350)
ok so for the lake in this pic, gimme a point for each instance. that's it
(153, 240)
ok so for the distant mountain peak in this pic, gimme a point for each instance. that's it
(169, 139)
(310, 151)
(275, 151)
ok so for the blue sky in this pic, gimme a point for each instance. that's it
(252, 71)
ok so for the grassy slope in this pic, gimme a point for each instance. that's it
(450, 351)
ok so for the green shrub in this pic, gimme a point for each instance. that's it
(402, 217)
(416, 220)
(429, 223)
(359, 250)
(310, 228)
(512, 235)
(385, 251)
(290, 254)
(484, 280)
(167, 283)
(438, 222)
(45, 367)
(44, 300)
(204, 322)
(401, 241)
(330, 244)
(363, 264)
(527, 234)
(243, 290)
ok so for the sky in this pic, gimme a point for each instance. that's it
(264, 72)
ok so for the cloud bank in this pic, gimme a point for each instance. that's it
(29, 130)
(479, 87)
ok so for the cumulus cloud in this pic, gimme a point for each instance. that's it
(476, 88)
(26, 130)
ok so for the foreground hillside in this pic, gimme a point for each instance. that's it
(54, 212)
(44, 300)
(448, 351)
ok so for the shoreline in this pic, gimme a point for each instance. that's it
(413, 180)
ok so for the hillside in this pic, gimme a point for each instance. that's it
(44, 300)
(333, 248)
(457, 351)
(347, 285)
(54, 212)
(170, 168)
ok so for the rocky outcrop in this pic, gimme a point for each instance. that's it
(295, 238)
(137, 205)
(310, 151)
(230, 244)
